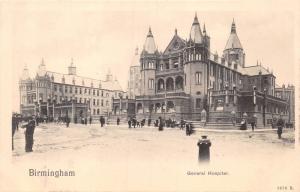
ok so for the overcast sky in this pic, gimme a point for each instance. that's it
(104, 36)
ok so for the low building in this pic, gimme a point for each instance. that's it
(55, 95)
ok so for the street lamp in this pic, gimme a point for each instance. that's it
(35, 106)
(264, 107)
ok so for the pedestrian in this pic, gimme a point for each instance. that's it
(280, 125)
(101, 121)
(149, 122)
(129, 124)
(181, 124)
(160, 126)
(253, 125)
(91, 120)
(67, 121)
(85, 120)
(133, 122)
(187, 129)
(118, 121)
(30, 126)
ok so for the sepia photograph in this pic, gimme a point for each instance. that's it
(150, 96)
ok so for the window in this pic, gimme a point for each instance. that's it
(101, 93)
(80, 91)
(161, 67)
(55, 88)
(151, 84)
(76, 90)
(93, 91)
(85, 91)
(94, 101)
(198, 103)
(176, 65)
(102, 102)
(98, 111)
(71, 89)
(198, 78)
(97, 102)
(97, 92)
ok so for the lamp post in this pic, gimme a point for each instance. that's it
(264, 107)
(40, 106)
(53, 104)
(35, 106)
(48, 103)
(73, 110)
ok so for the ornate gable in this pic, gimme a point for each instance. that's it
(175, 44)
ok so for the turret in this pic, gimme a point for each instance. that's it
(72, 68)
(42, 68)
(148, 62)
(233, 50)
(25, 73)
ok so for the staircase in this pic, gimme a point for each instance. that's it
(197, 124)
(221, 125)
(112, 120)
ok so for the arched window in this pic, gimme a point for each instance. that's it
(170, 107)
(161, 84)
(179, 82)
(170, 84)
(157, 108)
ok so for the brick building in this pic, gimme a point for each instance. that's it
(57, 95)
(188, 81)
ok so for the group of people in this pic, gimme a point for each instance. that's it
(132, 122)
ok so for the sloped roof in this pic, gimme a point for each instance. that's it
(255, 70)
(175, 44)
(149, 45)
(196, 33)
(85, 81)
(233, 41)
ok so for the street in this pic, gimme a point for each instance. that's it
(115, 157)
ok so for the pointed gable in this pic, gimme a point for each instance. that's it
(177, 43)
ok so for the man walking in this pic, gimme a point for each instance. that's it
(280, 124)
(118, 121)
(30, 126)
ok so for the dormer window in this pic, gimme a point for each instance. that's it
(63, 80)
(82, 82)
(73, 81)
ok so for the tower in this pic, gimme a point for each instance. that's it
(42, 68)
(233, 52)
(72, 68)
(196, 56)
(148, 62)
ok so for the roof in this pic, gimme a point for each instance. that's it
(175, 44)
(85, 81)
(195, 33)
(233, 41)
(255, 70)
(149, 45)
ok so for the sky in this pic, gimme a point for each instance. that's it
(103, 36)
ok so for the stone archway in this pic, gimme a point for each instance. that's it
(179, 82)
(170, 84)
